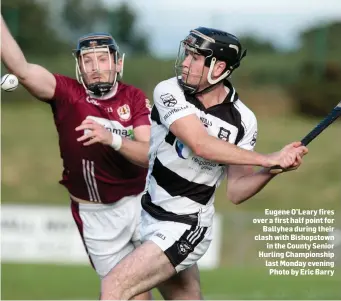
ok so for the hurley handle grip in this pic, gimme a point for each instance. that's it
(276, 169)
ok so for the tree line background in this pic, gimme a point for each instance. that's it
(310, 75)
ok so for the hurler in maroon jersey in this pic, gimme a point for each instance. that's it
(104, 131)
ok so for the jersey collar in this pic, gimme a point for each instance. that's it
(232, 95)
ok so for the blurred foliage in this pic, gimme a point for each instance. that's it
(120, 21)
(81, 16)
(254, 45)
(31, 27)
(310, 73)
(316, 92)
(322, 40)
(37, 33)
(123, 26)
(316, 89)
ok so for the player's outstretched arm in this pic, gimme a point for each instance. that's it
(37, 80)
(244, 181)
(190, 130)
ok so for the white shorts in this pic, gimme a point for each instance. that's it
(183, 244)
(109, 231)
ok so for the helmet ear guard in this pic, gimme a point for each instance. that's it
(228, 70)
(220, 78)
(94, 43)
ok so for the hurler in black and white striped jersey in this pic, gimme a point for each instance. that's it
(201, 131)
(179, 180)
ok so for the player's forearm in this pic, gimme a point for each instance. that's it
(135, 151)
(220, 151)
(11, 54)
(247, 186)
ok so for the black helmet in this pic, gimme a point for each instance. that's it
(215, 45)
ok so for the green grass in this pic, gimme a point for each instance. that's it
(48, 282)
(31, 165)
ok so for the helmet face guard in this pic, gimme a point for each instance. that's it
(98, 44)
(205, 42)
(188, 79)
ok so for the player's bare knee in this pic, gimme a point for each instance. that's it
(116, 293)
(111, 289)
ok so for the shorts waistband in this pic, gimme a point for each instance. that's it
(161, 214)
(81, 201)
(95, 206)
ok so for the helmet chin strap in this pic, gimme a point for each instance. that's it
(207, 89)
(101, 88)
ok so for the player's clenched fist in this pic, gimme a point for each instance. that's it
(302, 151)
(94, 133)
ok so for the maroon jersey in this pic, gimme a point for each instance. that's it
(97, 172)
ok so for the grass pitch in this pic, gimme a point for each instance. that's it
(46, 282)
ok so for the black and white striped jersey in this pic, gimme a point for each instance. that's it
(179, 182)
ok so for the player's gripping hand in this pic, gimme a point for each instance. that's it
(94, 133)
(290, 157)
(299, 156)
